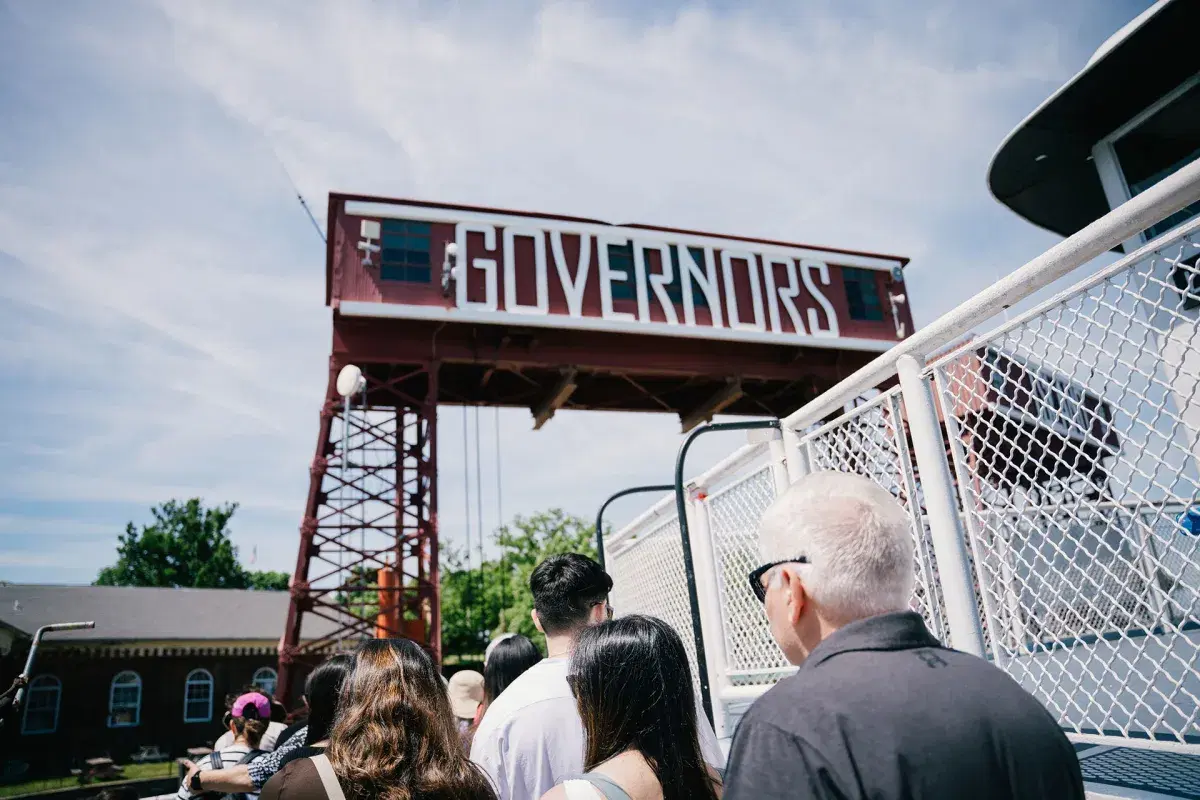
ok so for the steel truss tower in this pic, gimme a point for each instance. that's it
(368, 558)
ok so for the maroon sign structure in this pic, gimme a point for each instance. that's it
(441, 304)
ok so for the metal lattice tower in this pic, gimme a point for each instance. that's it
(367, 560)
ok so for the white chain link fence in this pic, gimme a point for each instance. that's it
(1072, 435)
(1074, 441)
(752, 657)
(871, 441)
(645, 560)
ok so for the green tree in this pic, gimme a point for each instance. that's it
(268, 580)
(187, 545)
(362, 595)
(492, 598)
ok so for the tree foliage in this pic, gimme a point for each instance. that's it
(187, 545)
(482, 601)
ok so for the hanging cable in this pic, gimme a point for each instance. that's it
(500, 523)
(467, 513)
(296, 189)
(479, 513)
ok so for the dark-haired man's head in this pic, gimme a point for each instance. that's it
(570, 592)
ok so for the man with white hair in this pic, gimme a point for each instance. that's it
(879, 708)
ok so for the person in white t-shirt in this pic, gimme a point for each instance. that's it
(532, 737)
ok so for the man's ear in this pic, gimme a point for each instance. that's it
(537, 623)
(797, 597)
(598, 613)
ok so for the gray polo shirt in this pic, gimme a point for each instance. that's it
(881, 710)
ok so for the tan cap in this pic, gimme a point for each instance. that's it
(466, 693)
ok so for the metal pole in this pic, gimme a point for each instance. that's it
(945, 527)
(27, 672)
(714, 641)
(604, 507)
(344, 534)
(686, 540)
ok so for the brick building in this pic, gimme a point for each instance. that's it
(154, 672)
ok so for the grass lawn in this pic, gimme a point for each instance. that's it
(133, 772)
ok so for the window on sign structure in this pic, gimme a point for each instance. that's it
(620, 259)
(862, 294)
(265, 679)
(41, 705)
(198, 696)
(405, 249)
(125, 700)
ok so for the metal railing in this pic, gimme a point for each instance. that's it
(1050, 471)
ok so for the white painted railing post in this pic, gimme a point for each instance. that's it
(781, 462)
(797, 462)
(945, 528)
(712, 622)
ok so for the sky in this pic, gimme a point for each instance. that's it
(163, 332)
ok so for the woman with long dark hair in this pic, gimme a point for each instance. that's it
(507, 662)
(633, 686)
(322, 691)
(394, 737)
(507, 658)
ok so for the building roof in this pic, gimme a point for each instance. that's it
(125, 614)
(1043, 170)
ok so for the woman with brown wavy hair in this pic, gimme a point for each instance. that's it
(394, 739)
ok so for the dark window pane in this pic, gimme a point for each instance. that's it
(405, 254)
(862, 294)
(620, 259)
(1160, 146)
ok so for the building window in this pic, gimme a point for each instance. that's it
(1162, 145)
(265, 679)
(862, 294)
(125, 700)
(41, 705)
(198, 696)
(405, 253)
(620, 258)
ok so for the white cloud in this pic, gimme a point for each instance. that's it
(162, 332)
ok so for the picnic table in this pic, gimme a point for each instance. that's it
(100, 769)
(147, 753)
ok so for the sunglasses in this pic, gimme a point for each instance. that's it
(756, 576)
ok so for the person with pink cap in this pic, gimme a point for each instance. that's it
(247, 721)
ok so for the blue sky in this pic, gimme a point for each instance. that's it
(162, 327)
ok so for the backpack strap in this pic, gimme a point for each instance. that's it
(250, 755)
(606, 785)
(333, 789)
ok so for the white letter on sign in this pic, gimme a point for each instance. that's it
(488, 265)
(789, 295)
(706, 280)
(768, 267)
(607, 276)
(573, 289)
(807, 265)
(731, 304)
(658, 280)
(542, 305)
